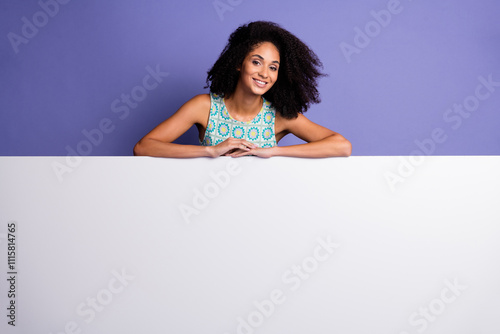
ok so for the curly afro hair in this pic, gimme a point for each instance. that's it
(295, 88)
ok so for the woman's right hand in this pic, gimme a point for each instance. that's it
(229, 146)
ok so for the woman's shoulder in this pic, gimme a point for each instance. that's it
(288, 124)
(201, 103)
(201, 99)
(281, 119)
(196, 109)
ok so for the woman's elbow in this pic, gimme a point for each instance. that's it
(347, 148)
(343, 147)
(139, 148)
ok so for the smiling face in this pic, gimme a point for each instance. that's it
(259, 70)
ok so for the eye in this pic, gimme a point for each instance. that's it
(256, 62)
(273, 68)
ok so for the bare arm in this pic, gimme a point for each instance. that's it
(321, 142)
(159, 142)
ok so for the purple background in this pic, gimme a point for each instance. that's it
(394, 92)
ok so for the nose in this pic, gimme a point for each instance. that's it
(263, 72)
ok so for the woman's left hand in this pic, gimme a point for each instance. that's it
(258, 151)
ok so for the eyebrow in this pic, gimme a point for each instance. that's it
(260, 57)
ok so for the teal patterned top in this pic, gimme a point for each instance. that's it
(221, 125)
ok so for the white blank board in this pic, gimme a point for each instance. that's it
(250, 245)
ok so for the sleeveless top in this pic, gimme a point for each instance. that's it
(221, 125)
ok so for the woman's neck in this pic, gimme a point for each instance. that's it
(243, 107)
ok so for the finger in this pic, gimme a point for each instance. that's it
(245, 143)
(234, 152)
(238, 151)
(243, 146)
(241, 154)
(251, 145)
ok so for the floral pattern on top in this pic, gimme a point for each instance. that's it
(221, 125)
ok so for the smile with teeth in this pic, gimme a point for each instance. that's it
(260, 83)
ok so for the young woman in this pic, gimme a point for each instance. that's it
(262, 83)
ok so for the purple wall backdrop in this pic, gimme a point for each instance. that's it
(405, 77)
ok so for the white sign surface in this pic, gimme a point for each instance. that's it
(224, 246)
